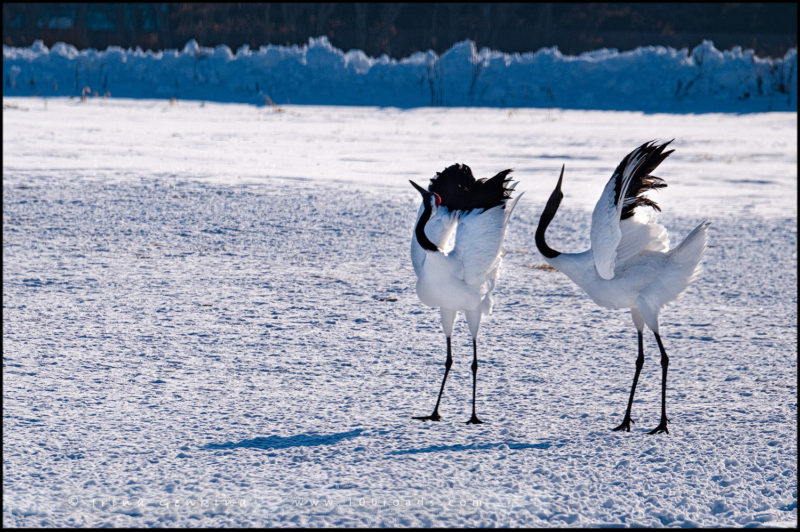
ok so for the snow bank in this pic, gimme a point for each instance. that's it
(653, 78)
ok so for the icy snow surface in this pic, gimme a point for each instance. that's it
(209, 318)
(653, 78)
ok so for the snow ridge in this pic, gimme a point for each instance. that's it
(651, 78)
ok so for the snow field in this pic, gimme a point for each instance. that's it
(209, 318)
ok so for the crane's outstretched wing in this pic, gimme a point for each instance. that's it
(479, 238)
(640, 232)
(616, 233)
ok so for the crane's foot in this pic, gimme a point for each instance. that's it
(625, 425)
(662, 427)
(474, 420)
(432, 417)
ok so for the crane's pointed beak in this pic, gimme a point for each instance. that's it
(421, 190)
(560, 178)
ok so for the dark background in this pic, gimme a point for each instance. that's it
(399, 29)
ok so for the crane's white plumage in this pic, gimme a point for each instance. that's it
(461, 276)
(614, 239)
(478, 242)
(629, 264)
(605, 232)
(440, 229)
(456, 250)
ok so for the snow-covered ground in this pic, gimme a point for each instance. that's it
(209, 318)
(651, 78)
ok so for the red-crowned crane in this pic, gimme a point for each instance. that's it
(459, 274)
(629, 264)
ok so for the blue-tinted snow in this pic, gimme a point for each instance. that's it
(652, 79)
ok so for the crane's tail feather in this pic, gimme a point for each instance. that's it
(689, 252)
(675, 279)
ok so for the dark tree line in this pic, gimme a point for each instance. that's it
(399, 29)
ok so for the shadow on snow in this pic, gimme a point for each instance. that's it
(283, 442)
(462, 447)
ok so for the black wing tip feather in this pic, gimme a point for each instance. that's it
(642, 180)
(497, 186)
(460, 191)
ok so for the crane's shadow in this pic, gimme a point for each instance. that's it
(313, 439)
(461, 447)
(285, 442)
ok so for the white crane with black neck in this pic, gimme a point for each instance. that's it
(459, 274)
(629, 264)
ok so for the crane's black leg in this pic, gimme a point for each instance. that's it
(662, 427)
(447, 364)
(474, 419)
(626, 421)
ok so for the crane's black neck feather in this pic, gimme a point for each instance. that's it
(641, 181)
(547, 216)
(460, 191)
(422, 238)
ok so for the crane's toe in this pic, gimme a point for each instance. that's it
(474, 420)
(662, 427)
(625, 425)
(432, 417)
